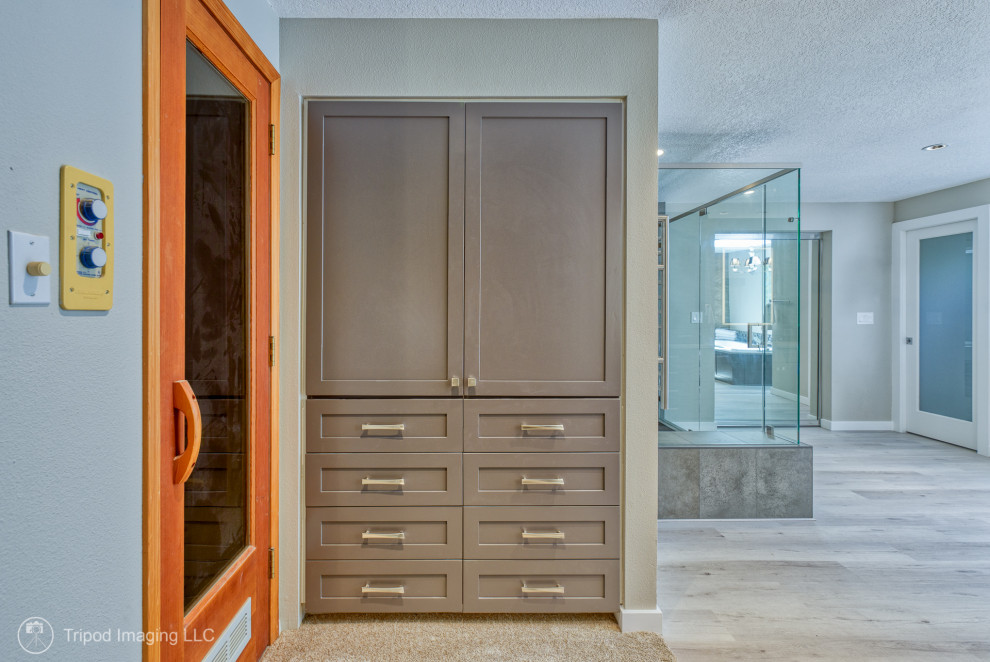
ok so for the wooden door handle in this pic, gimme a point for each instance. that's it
(184, 400)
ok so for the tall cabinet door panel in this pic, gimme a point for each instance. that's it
(543, 233)
(385, 248)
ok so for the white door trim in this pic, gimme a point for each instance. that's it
(981, 315)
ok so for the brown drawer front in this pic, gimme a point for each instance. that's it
(382, 586)
(383, 533)
(383, 479)
(519, 426)
(532, 532)
(541, 586)
(384, 426)
(539, 479)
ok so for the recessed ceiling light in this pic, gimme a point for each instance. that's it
(659, 152)
(932, 148)
(749, 192)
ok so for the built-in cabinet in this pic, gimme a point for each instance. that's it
(462, 356)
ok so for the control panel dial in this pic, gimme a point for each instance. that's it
(92, 210)
(93, 257)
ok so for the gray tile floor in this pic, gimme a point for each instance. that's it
(896, 565)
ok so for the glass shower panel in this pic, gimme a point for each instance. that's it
(684, 406)
(735, 293)
(782, 317)
(945, 338)
(732, 319)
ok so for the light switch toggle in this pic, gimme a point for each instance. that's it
(93, 257)
(39, 269)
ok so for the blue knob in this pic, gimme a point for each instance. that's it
(93, 257)
(93, 210)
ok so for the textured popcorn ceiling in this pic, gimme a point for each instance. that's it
(851, 89)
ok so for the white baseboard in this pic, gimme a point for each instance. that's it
(640, 620)
(858, 426)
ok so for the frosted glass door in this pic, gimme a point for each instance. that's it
(940, 344)
(945, 331)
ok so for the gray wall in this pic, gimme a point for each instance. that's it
(493, 59)
(70, 382)
(950, 199)
(856, 382)
(261, 22)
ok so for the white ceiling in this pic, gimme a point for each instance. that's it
(851, 89)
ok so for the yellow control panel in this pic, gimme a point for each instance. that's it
(86, 240)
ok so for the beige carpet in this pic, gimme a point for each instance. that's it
(474, 637)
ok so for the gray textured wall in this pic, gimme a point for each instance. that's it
(70, 382)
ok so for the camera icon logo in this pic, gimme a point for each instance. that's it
(35, 635)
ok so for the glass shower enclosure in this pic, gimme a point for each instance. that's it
(730, 303)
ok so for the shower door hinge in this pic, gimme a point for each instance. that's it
(271, 139)
(271, 563)
(271, 351)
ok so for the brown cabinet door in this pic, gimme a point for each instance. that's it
(541, 586)
(385, 210)
(541, 425)
(541, 479)
(382, 586)
(543, 233)
(384, 426)
(383, 479)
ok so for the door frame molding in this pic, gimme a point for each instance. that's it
(154, 12)
(981, 316)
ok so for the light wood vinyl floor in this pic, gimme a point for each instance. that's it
(895, 565)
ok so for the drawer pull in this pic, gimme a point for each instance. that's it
(395, 535)
(368, 480)
(525, 427)
(395, 427)
(542, 481)
(388, 590)
(551, 535)
(551, 590)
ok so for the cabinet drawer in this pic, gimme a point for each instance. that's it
(384, 426)
(536, 586)
(539, 479)
(383, 533)
(544, 425)
(382, 586)
(383, 479)
(532, 532)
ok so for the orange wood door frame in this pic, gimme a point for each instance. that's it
(210, 26)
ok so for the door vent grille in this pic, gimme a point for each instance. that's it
(235, 637)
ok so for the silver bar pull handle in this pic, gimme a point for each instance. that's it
(387, 590)
(554, 426)
(396, 427)
(546, 535)
(542, 481)
(548, 590)
(368, 480)
(393, 535)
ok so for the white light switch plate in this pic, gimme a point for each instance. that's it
(864, 318)
(26, 289)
